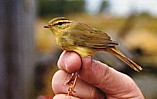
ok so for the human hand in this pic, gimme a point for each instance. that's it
(96, 80)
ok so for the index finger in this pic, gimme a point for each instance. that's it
(69, 61)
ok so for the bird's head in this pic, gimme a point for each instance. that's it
(59, 24)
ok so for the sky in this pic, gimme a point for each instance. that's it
(124, 7)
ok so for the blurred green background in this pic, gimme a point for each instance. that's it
(29, 52)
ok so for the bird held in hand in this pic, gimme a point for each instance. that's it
(84, 40)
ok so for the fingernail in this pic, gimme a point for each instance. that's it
(68, 61)
(66, 65)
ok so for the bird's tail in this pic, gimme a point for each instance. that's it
(128, 61)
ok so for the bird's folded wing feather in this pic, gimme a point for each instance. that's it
(88, 37)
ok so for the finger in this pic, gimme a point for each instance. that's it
(64, 96)
(96, 73)
(82, 89)
(66, 61)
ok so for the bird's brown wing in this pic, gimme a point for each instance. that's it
(88, 37)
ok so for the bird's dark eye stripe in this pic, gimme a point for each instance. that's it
(60, 23)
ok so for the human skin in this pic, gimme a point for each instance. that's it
(96, 80)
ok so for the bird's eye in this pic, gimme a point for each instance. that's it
(60, 23)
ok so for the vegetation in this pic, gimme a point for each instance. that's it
(59, 7)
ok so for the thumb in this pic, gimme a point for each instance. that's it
(108, 79)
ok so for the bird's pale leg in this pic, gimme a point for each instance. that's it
(70, 79)
(72, 82)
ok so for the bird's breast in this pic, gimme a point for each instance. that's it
(64, 42)
(67, 44)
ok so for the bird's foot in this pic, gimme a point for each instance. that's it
(72, 82)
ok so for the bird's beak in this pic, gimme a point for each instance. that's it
(47, 26)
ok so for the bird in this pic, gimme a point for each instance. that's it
(79, 37)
